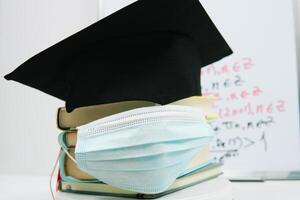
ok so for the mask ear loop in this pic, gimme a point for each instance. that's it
(64, 147)
(54, 168)
(52, 174)
(69, 155)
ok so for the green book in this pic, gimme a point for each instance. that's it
(99, 188)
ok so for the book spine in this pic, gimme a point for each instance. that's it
(58, 181)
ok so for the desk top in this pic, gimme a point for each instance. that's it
(16, 187)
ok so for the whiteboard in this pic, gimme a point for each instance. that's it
(257, 133)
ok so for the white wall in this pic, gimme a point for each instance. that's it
(297, 17)
(28, 133)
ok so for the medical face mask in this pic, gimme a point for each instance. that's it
(142, 150)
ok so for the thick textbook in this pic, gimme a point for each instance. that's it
(88, 114)
(214, 189)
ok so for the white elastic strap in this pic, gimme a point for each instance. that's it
(69, 155)
(52, 174)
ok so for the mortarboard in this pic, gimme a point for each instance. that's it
(149, 50)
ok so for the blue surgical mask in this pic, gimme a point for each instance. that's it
(142, 150)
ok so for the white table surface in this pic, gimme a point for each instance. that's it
(16, 187)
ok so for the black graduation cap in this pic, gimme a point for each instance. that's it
(149, 50)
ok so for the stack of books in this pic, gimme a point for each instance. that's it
(72, 180)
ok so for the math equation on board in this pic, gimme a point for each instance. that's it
(244, 115)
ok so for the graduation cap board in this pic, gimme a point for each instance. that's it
(149, 50)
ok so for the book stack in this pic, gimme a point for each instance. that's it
(73, 180)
